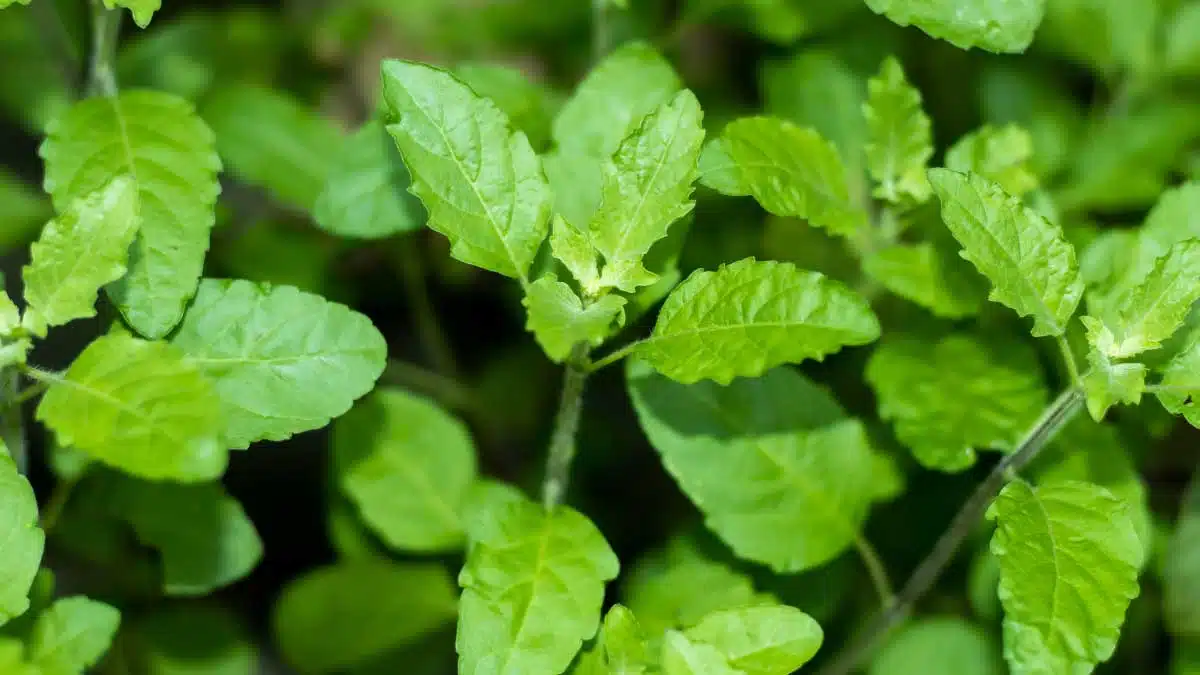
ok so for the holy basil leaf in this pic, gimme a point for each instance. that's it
(77, 254)
(949, 398)
(1031, 266)
(364, 195)
(620, 649)
(939, 646)
(1180, 385)
(901, 139)
(559, 319)
(407, 465)
(763, 640)
(1107, 382)
(140, 407)
(480, 181)
(1001, 26)
(342, 616)
(1002, 155)
(532, 587)
(158, 140)
(71, 636)
(574, 249)
(646, 187)
(142, 10)
(1069, 559)
(1181, 570)
(751, 316)
(529, 105)
(281, 360)
(21, 539)
(929, 276)
(680, 656)
(790, 171)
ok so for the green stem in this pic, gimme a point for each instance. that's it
(12, 426)
(106, 28)
(876, 570)
(599, 30)
(614, 357)
(57, 502)
(1069, 359)
(566, 426)
(1061, 411)
(445, 390)
(429, 329)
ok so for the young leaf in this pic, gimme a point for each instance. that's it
(680, 656)
(1000, 27)
(559, 320)
(1181, 570)
(929, 276)
(575, 251)
(77, 254)
(282, 361)
(1002, 155)
(480, 181)
(764, 640)
(939, 646)
(1031, 266)
(71, 636)
(140, 407)
(1180, 386)
(901, 140)
(719, 172)
(406, 465)
(751, 316)
(342, 616)
(791, 171)
(1108, 383)
(646, 188)
(948, 399)
(21, 539)
(270, 139)
(142, 10)
(1069, 560)
(620, 648)
(532, 587)
(364, 195)
(157, 140)
(778, 454)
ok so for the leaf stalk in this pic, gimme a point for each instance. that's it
(106, 29)
(566, 426)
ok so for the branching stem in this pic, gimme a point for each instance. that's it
(613, 357)
(566, 426)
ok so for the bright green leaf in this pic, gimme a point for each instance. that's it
(763, 640)
(1180, 386)
(21, 540)
(532, 587)
(283, 361)
(1001, 26)
(364, 195)
(158, 140)
(680, 656)
(1108, 383)
(901, 139)
(12, 650)
(751, 316)
(1031, 266)
(949, 398)
(559, 320)
(939, 646)
(1181, 51)
(620, 648)
(407, 465)
(929, 276)
(480, 181)
(141, 10)
(1181, 570)
(574, 249)
(71, 636)
(140, 407)
(1002, 155)
(1069, 560)
(719, 172)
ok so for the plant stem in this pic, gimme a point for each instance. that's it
(614, 357)
(1069, 359)
(12, 426)
(59, 497)
(445, 390)
(599, 30)
(1061, 411)
(106, 28)
(876, 570)
(429, 328)
(566, 424)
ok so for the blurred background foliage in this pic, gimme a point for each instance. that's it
(1110, 93)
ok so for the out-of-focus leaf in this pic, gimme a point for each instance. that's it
(142, 10)
(1181, 570)
(1002, 26)
(529, 105)
(999, 154)
(22, 209)
(71, 636)
(189, 639)
(929, 276)
(939, 646)
(1108, 35)
(21, 539)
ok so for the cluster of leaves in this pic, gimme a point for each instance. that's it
(940, 304)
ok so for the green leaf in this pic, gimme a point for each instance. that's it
(901, 139)
(790, 171)
(751, 316)
(281, 360)
(158, 140)
(1107, 383)
(1003, 155)
(24, 210)
(77, 254)
(1181, 569)
(407, 465)
(1179, 389)
(21, 540)
(760, 456)
(559, 320)
(532, 587)
(763, 640)
(141, 10)
(480, 181)
(1000, 26)
(1181, 50)
(529, 105)
(1069, 560)
(719, 172)
(949, 398)
(71, 636)
(190, 639)
(1109, 35)
(682, 657)
(575, 251)
(929, 276)
(140, 407)
(272, 140)
(364, 195)
(620, 648)
(939, 646)
(1031, 266)
(345, 615)
(12, 650)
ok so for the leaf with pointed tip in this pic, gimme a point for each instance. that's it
(559, 320)
(620, 648)
(928, 276)
(751, 316)
(1002, 155)
(282, 361)
(1069, 559)
(939, 646)
(10, 315)
(1107, 383)
(1180, 386)
(532, 587)
(1031, 266)
(575, 251)
(949, 398)
(21, 540)
(680, 656)
(901, 139)
(159, 141)
(763, 640)
(71, 636)
(1000, 26)
(142, 10)
(407, 465)
(480, 181)
(139, 406)
(719, 172)
(78, 253)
